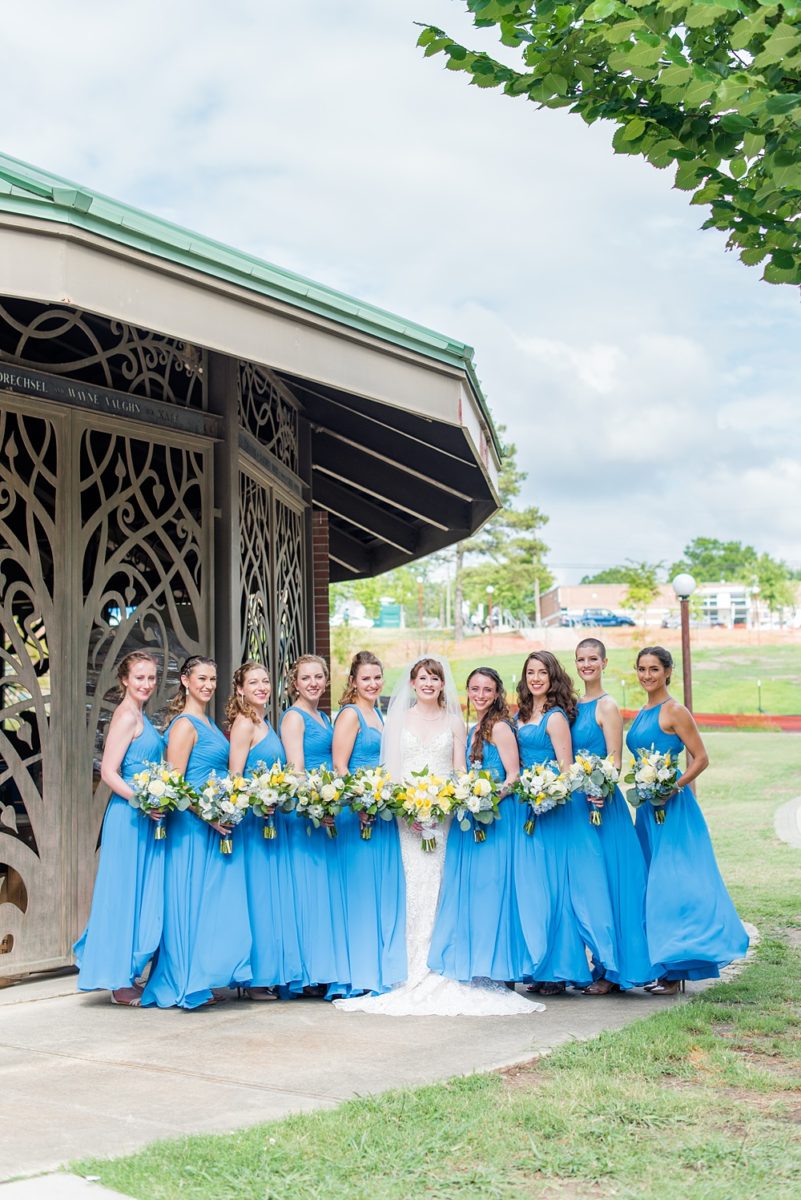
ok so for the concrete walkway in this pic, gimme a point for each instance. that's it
(80, 1077)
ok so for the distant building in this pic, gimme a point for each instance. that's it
(730, 605)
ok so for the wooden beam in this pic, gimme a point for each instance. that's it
(358, 510)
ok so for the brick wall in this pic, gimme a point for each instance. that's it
(320, 576)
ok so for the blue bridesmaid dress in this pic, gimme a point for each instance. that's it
(692, 926)
(206, 940)
(124, 925)
(550, 925)
(375, 886)
(319, 888)
(275, 956)
(478, 933)
(623, 862)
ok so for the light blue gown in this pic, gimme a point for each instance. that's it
(124, 925)
(275, 956)
(206, 940)
(550, 925)
(375, 886)
(319, 887)
(692, 926)
(623, 861)
(478, 933)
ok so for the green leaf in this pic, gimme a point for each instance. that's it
(699, 15)
(735, 123)
(738, 167)
(783, 103)
(782, 41)
(599, 10)
(633, 129)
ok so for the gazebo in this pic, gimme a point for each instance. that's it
(193, 443)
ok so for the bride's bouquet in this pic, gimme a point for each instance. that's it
(271, 788)
(224, 801)
(543, 788)
(654, 776)
(319, 799)
(596, 777)
(425, 799)
(157, 788)
(476, 799)
(371, 792)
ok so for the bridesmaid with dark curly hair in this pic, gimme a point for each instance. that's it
(561, 849)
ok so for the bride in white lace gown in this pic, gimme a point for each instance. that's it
(424, 728)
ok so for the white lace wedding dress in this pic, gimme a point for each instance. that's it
(426, 994)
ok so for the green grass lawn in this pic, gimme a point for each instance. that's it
(724, 680)
(702, 1100)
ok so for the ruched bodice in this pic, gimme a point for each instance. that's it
(318, 735)
(535, 742)
(587, 733)
(146, 747)
(490, 757)
(209, 753)
(366, 750)
(269, 750)
(646, 732)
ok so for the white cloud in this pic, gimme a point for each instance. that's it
(648, 379)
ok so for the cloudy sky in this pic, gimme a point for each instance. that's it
(649, 380)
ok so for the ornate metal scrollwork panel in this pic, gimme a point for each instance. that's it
(256, 581)
(97, 350)
(266, 413)
(30, 453)
(290, 592)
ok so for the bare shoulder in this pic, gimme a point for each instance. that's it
(607, 706)
(503, 734)
(676, 715)
(458, 727)
(123, 720)
(347, 718)
(292, 719)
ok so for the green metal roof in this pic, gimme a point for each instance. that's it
(28, 191)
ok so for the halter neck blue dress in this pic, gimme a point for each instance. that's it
(124, 925)
(319, 887)
(541, 877)
(275, 956)
(206, 939)
(478, 932)
(623, 861)
(693, 928)
(375, 886)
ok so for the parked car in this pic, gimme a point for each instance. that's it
(603, 616)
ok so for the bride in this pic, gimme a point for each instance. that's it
(424, 729)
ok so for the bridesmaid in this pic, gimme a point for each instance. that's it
(693, 928)
(124, 924)
(553, 929)
(275, 957)
(598, 729)
(206, 940)
(307, 735)
(375, 886)
(478, 932)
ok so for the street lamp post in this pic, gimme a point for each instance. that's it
(490, 590)
(684, 586)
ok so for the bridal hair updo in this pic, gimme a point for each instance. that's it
(497, 711)
(292, 677)
(434, 667)
(178, 702)
(237, 705)
(561, 692)
(127, 663)
(664, 656)
(365, 658)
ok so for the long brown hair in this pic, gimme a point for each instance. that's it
(178, 703)
(561, 692)
(497, 711)
(292, 678)
(237, 705)
(434, 667)
(124, 668)
(365, 658)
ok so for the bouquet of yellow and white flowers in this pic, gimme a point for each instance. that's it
(596, 777)
(476, 799)
(223, 801)
(319, 799)
(425, 799)
(543, 788)
(654, 774)
(270, 788)
(157, 788)
(370, 791)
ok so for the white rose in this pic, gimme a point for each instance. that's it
(156, 788)
(483, 787)
(328, 791)
(647, 774)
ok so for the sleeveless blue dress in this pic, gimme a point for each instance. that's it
(206, 940)
(124, 925)
(693, 928)
(550, 925)
(478, 933)
(275, 956)
(623, 862)
(375, 886)
(319, 887)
